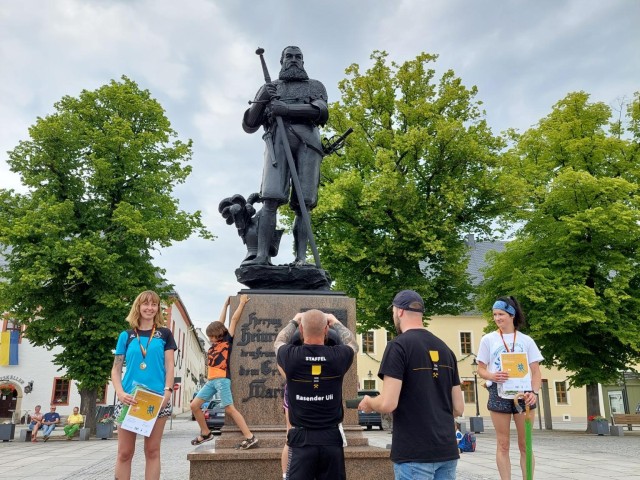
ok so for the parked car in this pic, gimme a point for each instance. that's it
(213, 414)
(373, 419)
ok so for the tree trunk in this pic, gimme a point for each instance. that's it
(88, 407)
(593, 401)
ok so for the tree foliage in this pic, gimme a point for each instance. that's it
(416, 175)
(99, 173)
(575, 262)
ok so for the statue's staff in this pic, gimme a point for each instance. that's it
(292, 165)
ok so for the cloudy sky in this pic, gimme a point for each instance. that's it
(197, 58)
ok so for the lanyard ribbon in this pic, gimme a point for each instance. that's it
(513, 347)
(143, 350)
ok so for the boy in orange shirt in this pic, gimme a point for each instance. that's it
(219, 377)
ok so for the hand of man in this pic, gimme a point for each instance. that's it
(331, 319)
(271, 89)
(298, 318)
(278, 108)
(267, 92)
(364, 406)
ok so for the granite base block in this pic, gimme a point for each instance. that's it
(616, 431)
(371, 463)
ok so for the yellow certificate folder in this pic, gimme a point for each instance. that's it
(141, 417)
(516, 364)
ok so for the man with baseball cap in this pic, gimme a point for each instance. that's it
(408, 300)
(421, 386)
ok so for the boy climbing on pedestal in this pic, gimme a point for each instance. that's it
(219, 377)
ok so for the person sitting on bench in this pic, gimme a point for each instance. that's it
(36, 423)
(49, 422)
(74, 422)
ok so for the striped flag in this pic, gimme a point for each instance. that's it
(9, 347)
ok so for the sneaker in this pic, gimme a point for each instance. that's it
(45, 438)
(248, 443)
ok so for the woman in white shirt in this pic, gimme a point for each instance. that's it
(509, 318)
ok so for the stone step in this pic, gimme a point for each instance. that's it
(206, 462)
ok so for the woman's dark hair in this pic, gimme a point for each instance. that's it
(519, 320)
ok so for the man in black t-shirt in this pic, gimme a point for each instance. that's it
(314, 373)
(422, 389)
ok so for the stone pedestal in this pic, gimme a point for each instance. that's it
(25, 435)
(368, 463)
(258, 387)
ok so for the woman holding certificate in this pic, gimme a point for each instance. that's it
(509, 361)
(147, 349)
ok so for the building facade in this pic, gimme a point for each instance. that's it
(29, 378)
(462, 334)
(559, 402)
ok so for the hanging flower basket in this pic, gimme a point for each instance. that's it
(6, 389)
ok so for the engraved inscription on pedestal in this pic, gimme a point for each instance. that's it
(256, 382)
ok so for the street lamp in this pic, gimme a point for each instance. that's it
(474, 365)
(477, 422)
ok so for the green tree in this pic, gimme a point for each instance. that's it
(574, 264)
(416, 175)
(99, 173)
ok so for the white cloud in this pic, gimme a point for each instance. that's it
(197, 58)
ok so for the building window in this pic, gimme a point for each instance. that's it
(562, 397)
(390, 336)
(469, 391)
(61, 391)
(367, 342)
(369, 384)
(465, 343)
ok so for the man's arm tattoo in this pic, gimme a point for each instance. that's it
(346, 337)
(118, 360)
(285, 336)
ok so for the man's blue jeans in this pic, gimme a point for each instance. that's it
(425, 471)
(47, 429)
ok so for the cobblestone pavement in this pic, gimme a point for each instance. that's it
(560, 454)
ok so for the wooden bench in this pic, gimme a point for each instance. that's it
(621, 419)
(57, 434)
